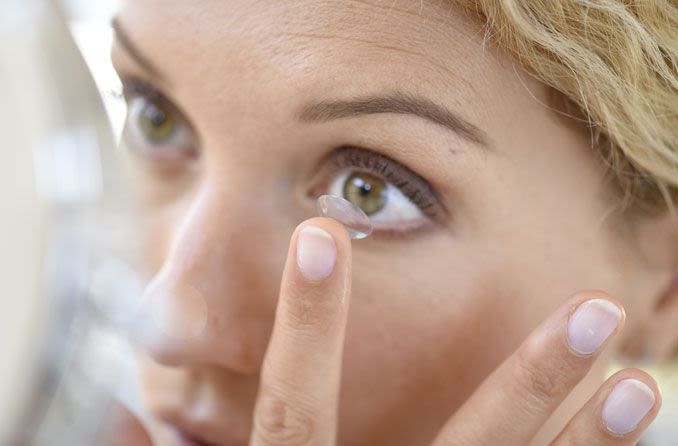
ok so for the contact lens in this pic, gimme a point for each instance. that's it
(356, 222)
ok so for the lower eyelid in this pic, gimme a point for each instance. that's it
(401, 233)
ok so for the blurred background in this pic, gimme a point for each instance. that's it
(89, 23)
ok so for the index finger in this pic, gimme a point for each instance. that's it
(521, 394)
(299, 390)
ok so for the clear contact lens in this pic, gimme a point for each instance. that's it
(356, 222)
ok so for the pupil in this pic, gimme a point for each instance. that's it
(156, 116)
(366, 191)
(156, 122)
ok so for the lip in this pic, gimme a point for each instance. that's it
(182, 438)
(194, 433)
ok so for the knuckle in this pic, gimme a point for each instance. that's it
(543, 375)
(280, 422)
(538, 385)
(308, 310)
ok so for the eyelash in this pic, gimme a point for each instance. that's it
(132, 88)
(413, 186)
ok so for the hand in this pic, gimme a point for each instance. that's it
(298, 395)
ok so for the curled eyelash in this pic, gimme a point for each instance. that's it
(414, 187)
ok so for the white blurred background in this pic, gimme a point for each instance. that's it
(90, 24)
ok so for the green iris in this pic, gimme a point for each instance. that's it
(366, 191)
(157, 122)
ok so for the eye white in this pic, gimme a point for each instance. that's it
(398, 208)
(177, 146)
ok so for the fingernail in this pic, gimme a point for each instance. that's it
(627, 405)
(591, 324)
(316, 253)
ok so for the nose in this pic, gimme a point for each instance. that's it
(213, 300)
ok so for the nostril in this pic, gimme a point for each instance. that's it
(172, 313)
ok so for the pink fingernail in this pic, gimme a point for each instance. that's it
(591, 324)
(627, 405)
(316, 253)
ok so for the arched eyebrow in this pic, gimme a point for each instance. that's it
(144, 62)
(397, 102)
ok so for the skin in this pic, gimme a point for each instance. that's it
(433, 312)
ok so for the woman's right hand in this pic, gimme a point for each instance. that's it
(299, 389)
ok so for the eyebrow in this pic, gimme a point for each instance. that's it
(124, 40)
(397, 102)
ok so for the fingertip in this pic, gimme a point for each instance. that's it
(640, 375)
(593, 318)
(335, 229)
(632, 401)
(590, 294)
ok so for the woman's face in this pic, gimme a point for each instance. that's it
(488, 207)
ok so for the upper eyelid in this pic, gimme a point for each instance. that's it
(353, 156)
(138, 87)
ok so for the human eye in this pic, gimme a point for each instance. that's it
(155, 128)
(396, 199)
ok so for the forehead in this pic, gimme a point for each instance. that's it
(307, 38)
(250, 54)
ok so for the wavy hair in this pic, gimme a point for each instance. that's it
(615, 62)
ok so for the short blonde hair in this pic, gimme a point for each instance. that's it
(616, 61)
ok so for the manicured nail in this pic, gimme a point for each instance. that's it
(627, 405)
(591, 324)
(316, 253)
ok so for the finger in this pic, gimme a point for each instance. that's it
(617, 414)
(512, 404)
(298, 393)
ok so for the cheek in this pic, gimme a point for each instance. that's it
(424, 331)
(430, 320)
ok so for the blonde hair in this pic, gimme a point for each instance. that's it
(616, 61)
